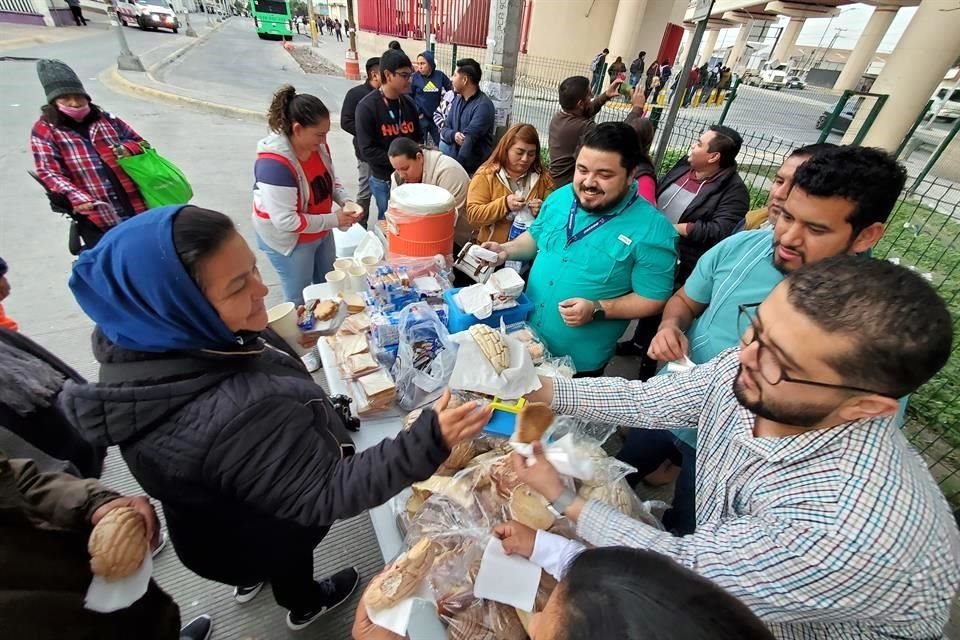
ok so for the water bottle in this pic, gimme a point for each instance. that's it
(521, 222)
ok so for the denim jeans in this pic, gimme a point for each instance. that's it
(381, 193)
(430, 129)
(309, 264)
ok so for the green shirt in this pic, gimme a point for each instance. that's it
(635, 251)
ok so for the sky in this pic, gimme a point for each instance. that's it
(851, 20)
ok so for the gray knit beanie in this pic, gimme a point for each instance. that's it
(59, 80)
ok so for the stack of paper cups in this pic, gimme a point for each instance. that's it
(283, 319)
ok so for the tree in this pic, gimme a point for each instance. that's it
(298, 8)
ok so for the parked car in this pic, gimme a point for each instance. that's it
(949, 110)
(795, 82)
(843, 119)
(147, 14)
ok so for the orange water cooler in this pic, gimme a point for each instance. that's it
(420, 221)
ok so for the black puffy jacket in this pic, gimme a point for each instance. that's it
(245, 457)
(716, 211)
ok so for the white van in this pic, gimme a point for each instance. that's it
(949, 107)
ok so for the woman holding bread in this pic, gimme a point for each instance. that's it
(220, 421)
(295, 191)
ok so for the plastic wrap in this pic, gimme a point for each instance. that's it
(425, 357)
(524, 333)
(561, 367)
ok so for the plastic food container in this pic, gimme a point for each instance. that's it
(420, 221)
(459, 321)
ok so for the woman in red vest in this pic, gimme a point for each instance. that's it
(295, 191)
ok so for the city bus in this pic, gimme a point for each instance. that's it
(272, 19)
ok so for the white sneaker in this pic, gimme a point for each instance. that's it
(311, 360)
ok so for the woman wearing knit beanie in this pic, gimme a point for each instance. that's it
(75, 145)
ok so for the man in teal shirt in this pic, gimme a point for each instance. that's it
(601, 255)
(827, 201)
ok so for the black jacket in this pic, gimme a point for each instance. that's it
(718, 208)
(348, 112)
(245, 456)
(377, 128)
(46, 428)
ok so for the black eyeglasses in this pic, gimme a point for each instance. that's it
(404, 74)
(750, 328)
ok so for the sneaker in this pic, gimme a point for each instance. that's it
(200, 628)
(311, 360)
(161, 545)
(246, 593)
(337, 589)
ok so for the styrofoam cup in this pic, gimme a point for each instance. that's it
(338, 281)
(343, 264)
(370, 263)
(358, 278)
(282, 318)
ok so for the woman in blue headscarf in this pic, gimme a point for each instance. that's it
(219, 420)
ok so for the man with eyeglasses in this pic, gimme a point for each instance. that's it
(828, 201)
(382, 116)
(812, 507)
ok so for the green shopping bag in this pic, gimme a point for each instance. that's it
(160, 181)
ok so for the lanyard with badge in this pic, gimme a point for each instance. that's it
(593, 226)
(386, 103)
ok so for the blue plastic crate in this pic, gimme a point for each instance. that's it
(460, 321)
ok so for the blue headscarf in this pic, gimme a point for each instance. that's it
(134, 287)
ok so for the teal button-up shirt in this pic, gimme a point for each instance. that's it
(635, 251)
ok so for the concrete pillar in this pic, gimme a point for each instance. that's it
(913, 71)
(709, 46)
(948, 166)
(738, 47)
(626, 29)
(787, 39)
(500, 59)
(865, 48)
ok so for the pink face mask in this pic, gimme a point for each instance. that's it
(77, 113)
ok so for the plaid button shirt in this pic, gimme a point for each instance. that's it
(79, 168)
(836, 533)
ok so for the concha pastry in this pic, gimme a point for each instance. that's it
(118, 544)
(533, 421)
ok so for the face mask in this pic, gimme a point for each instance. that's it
(77, 113)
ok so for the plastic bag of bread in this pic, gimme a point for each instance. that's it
(610, 486)
(402, 578)
(524, 333)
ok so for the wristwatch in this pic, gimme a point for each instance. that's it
(598, 312)
(563, 501)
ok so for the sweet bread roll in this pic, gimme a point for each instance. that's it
(118, 544)
(402, 578)
(533, 421)
(325, 310)
(530, 508)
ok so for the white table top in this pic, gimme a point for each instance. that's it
(424, 622)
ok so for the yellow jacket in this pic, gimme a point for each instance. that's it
(487, 202)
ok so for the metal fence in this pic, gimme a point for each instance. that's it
(454, 21)
(17, 6)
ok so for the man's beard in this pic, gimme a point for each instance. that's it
(606, 207)
(799, 416)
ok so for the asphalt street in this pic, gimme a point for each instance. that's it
(214, 151)
(235, 67)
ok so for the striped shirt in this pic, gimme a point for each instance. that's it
(835, 533)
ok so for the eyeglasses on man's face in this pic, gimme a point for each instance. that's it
(768, 363)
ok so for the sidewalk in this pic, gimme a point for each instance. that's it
(233, 73)
(13, 36)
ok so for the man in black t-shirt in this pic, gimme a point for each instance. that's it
(384, 115)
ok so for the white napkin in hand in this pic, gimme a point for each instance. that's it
(508, 579)
(480, 253)
(473, 372)
(676, 366)
(107, 597)
(564, 457)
